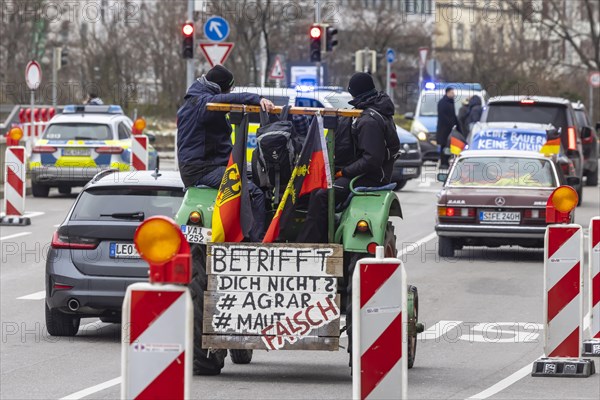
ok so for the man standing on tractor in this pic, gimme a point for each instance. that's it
(204, 137)
(365, 146)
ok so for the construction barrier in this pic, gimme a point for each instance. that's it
(33, 126)
(14, 187)
(379, 336)
(591, 347)
(139, 152)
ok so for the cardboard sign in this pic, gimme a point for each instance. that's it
(272, 297)
(508, 139)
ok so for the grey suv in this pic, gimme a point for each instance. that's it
(92, 258)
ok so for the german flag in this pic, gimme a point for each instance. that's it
(552, 146)
(457, 142)
(232, 216)
(311, 172)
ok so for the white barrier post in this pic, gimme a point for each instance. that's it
(139, 152)
(591, 347)
(379, 329)
(14, 187)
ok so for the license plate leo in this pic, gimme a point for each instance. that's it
(123, 250)
(501, 217)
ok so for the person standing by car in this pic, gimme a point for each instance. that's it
(463, 112)
(473, 114)
(446, 121)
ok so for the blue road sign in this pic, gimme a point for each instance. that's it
(391, 55)
(216, 29)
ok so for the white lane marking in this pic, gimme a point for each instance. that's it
(504, 383)
(438, 330)
(29, 214)
(93, 389)
(415, 245)
(16, 235)
(34, 296)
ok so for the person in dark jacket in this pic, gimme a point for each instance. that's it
(446, 121)
(473, 114)
(361, 149)
(463, 111)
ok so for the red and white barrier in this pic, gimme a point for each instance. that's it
(34, 126)
(379, 336)
(157, 350)
(14, 187)
(592, 347)
(139, 152)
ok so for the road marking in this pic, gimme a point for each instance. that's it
(504, 383)
(16, 235)
(438, 330)
(34, 296)
(93, 389)
(417, 244)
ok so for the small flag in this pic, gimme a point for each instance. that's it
(312, 171)
(457, 142)
(232, 216)
(552, 146)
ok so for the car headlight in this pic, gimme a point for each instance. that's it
(422, 136)
(417, 127)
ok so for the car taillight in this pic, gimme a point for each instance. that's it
(60, 286)
(534, 214)
(109, 150)
(459, 212)
(527, 101)
(65, 242)
(43, 149)
(572, 138)
(568, 169)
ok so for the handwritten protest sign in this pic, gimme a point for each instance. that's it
(508, 139)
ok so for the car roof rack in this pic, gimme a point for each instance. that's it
(102, 174)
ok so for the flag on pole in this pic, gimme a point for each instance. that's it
(457, 142)
(232, 216)
(311, 171)
(552, 146)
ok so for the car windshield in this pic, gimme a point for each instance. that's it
(502, 171)
(77, 131)
(538, 113)
(110, 200)
(581, 118)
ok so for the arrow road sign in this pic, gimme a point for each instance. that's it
(391, 55)
(216, 29)
(33, 75)
(216, 53)
(277, 70)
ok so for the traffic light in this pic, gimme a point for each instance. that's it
(316, 35)
(330, 39)
(188, 40)
(64, 57)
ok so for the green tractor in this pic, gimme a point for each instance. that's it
(359, 226)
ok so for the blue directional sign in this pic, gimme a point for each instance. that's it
(391, 55)
(216, 29)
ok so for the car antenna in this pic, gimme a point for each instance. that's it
(156, 174)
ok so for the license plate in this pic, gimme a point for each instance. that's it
(123, 250)
(409, 171)
(76, 152)
(196, 234)
(500, 217)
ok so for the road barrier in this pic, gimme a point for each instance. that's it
(33, 126)
(139, 152)
(14, 187)
(591, 347)
(379, 335)
(156, 354)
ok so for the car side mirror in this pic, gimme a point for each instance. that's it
(573, 181)
(151, 137)
(442, 176)
(586, 132)
(552, 134)
(409, 115)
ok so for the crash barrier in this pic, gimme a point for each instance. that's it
(591, 347)
(14, 187)
(379, 336)
(156, 354)
(33, 125)
(139, 152)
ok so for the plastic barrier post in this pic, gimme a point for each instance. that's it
(379, 335)
(14, 187)
(563, 304)
(139, 152)
(591, 347)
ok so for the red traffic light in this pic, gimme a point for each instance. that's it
(315, 32)
(188, 29)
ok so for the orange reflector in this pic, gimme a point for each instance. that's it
(362, 226)
(15, 133)
(139, 124)
(564, 199)
(195, 217)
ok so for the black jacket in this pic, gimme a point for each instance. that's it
(365, 149)
(474, 113)
(446, 120)
(204, 137)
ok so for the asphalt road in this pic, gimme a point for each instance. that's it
(454, 359)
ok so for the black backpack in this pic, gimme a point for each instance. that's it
(275, 153)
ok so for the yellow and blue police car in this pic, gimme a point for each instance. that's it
(79, 143)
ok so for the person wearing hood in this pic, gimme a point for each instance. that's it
(473, 114)
(364, 146)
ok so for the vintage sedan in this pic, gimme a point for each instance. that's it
(494, 198)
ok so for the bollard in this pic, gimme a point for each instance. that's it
(14, 186)
(139, 152)
(379, 335)
(156, 352)
(591, 347)
(563, 287)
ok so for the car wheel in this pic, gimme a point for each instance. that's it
(64, 190)
(446, 247)
(39, 190)
(592, 178)
(61, 324)
(241, 356)
(412, 339)
(400, 184)
(205, 362)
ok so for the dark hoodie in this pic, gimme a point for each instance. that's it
(204, 137)
(370, 147)
(474, 113)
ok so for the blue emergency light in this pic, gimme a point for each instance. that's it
(96, 109)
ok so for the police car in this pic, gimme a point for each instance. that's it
(79, 143)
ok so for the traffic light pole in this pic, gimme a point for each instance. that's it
(318, 21)
(190, 62)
